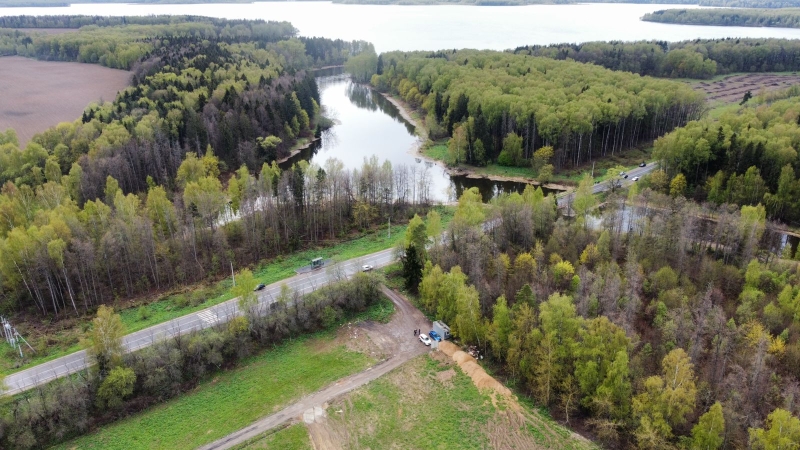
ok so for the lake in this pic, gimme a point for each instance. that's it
(396, 27)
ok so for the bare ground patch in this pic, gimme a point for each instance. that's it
(36, 95)
(732, 89)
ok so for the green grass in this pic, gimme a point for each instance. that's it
(436, 151)
(198, 297)
(418, 413)
(294, 437)
(231, 400)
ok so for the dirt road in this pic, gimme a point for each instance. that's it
(395, 339)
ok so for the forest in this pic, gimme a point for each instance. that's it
(506, 107)
(141, 193)
(657, 324)
(746, 157)
(784, 18)
(699, 58)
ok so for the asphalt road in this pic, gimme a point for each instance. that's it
(302, 284)
(565, 199)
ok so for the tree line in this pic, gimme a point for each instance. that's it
(119, 383)
(699, 58)
(653, 325)
(487, 100)
(745, 158)
(782, 18)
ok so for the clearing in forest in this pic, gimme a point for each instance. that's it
(36, 95)
(732, 89)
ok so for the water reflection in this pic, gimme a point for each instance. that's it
(368, 124)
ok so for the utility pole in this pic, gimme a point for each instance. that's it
(233, 277)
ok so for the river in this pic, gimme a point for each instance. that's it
(407, 27)
(367, 124)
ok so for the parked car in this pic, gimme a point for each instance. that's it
(435, 336)
(642, 164)
(366, 268)
(260, 287)
(425, 339)
(635, 178)
(625, 176)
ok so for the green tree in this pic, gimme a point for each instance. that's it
(782, 432)
(412, 268)
(709, 432)
(245, 290)
(677, 187)
(584, 199)
(115, 387)
(511, 155)
(500, 328)
(104, 343)
(666, 401)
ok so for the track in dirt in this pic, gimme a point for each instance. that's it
(36, 95)
(733, 88)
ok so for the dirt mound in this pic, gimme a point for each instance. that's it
(470, 367)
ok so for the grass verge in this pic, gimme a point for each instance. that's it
(231, 400)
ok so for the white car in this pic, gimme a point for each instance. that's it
(635, 178)
(366, 268)
(425, 339)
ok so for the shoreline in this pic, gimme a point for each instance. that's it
(458, 171)
(295, 151)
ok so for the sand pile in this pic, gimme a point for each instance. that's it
(470, 367)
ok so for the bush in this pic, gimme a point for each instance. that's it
(144, 313)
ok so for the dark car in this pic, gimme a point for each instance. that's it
(435, 336)
(625, 176)
(642, 164)
(260, 287)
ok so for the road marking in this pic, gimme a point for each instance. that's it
(208, 316)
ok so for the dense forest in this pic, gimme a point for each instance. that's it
(506, 107)
(699, 58)
(141, 193)
(664, 324)
(746, 158)
(783, 18)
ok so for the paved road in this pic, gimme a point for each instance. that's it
(26, 379)
(565, 199)
(304, 283)
(407, 347)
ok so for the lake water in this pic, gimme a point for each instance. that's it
(396, 27)
(367, 124)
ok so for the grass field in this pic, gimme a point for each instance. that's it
(294, 437)
(430, 403)
(63, 339)
(40, 94)
(233, 399)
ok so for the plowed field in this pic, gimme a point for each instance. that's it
(35, 95)
(733, 88)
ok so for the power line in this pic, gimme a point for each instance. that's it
(13, 337)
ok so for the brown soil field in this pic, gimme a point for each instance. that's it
(36, 95)
(733, 88)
